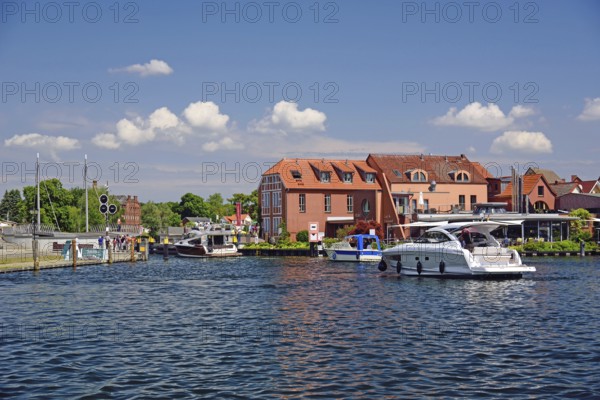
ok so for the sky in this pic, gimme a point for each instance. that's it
(167, 98)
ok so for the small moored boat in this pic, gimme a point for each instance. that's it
(360, 247)
(215, 241)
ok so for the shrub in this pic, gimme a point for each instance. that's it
(302, 236)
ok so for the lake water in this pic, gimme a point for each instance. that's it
(298, 327)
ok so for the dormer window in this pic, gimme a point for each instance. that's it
(347, 177)
(296, 174)
(325, 176)
(460, 176)
(370, 177)
(418, 176)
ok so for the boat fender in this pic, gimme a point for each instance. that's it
(419, 267)
(357, 255)
(398, 266)
(442, 267)
(382, 266)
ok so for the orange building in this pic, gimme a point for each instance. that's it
(333, 193)
(414, 184)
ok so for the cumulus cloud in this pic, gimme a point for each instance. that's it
(285, 117)
(485, 118)
(591, 110)
(205, 115)
(522, 142)
(107, 141)
(154, 67)
(202, 120)
(53, 144)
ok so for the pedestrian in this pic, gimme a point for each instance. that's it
(118, 225)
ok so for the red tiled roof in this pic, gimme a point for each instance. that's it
(530, 182)
(564, 188)
(588, 186)
(441, 169)
(310, 180)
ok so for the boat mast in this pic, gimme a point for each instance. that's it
(86, 194)
(37, 184)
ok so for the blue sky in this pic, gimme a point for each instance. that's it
(167, 98)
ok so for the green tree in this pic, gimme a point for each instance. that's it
(192, 205)
(54, 203)
(577, 226)
(249, 203)
(158, 216)
(216, 207)
(10, 206)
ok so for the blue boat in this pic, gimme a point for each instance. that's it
(361, 247)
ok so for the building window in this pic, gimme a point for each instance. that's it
(541, 191)
(349, 203)
(276, 225)
(302, 202)
(267, 226)
(366, 207)
(265, 202)
(462, 177)
(276, 202)
(426, 204)
(461, 201)
(325, 176)
(473, 200)
(327, 203)
(418, 176)
(370, 177)
(347, 177)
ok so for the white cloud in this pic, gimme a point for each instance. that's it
(206, 115)
(225, 143)
(106, 141)
(205, 122)
(521, 142)
(591, 110)
(154, 67)
(53, 144)
(485, 118)
(285, 117)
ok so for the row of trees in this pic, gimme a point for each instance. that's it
(65, 208)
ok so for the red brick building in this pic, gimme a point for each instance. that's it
(333, 193)
(132, 210)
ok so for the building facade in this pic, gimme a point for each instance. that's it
(332, 193)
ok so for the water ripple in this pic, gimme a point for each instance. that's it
(298, 327)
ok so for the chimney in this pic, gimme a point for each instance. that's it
(135, 198)
(94, 184)
(462, 157)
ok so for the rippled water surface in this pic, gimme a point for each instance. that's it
(298, 327)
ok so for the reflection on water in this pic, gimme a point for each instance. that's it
(275, 327)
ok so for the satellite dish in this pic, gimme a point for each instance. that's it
(112, 209)
(103, 198)
(103, 208)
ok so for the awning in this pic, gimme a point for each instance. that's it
(340, 219)
(420, 224)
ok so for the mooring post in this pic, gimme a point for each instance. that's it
(74, 252)
(166, 248)
(110, 253)
(36, 255)
(582, 248)
(132, 249)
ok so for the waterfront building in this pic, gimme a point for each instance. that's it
(332, 193)
(425, 184)
(132, 211)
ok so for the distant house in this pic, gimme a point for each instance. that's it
(538, 191)
(550, 176)
(195, 220)
(245, 219)
(132, 210)
(590, 187)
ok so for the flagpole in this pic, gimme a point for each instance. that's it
(86, 195)
(37, 183)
